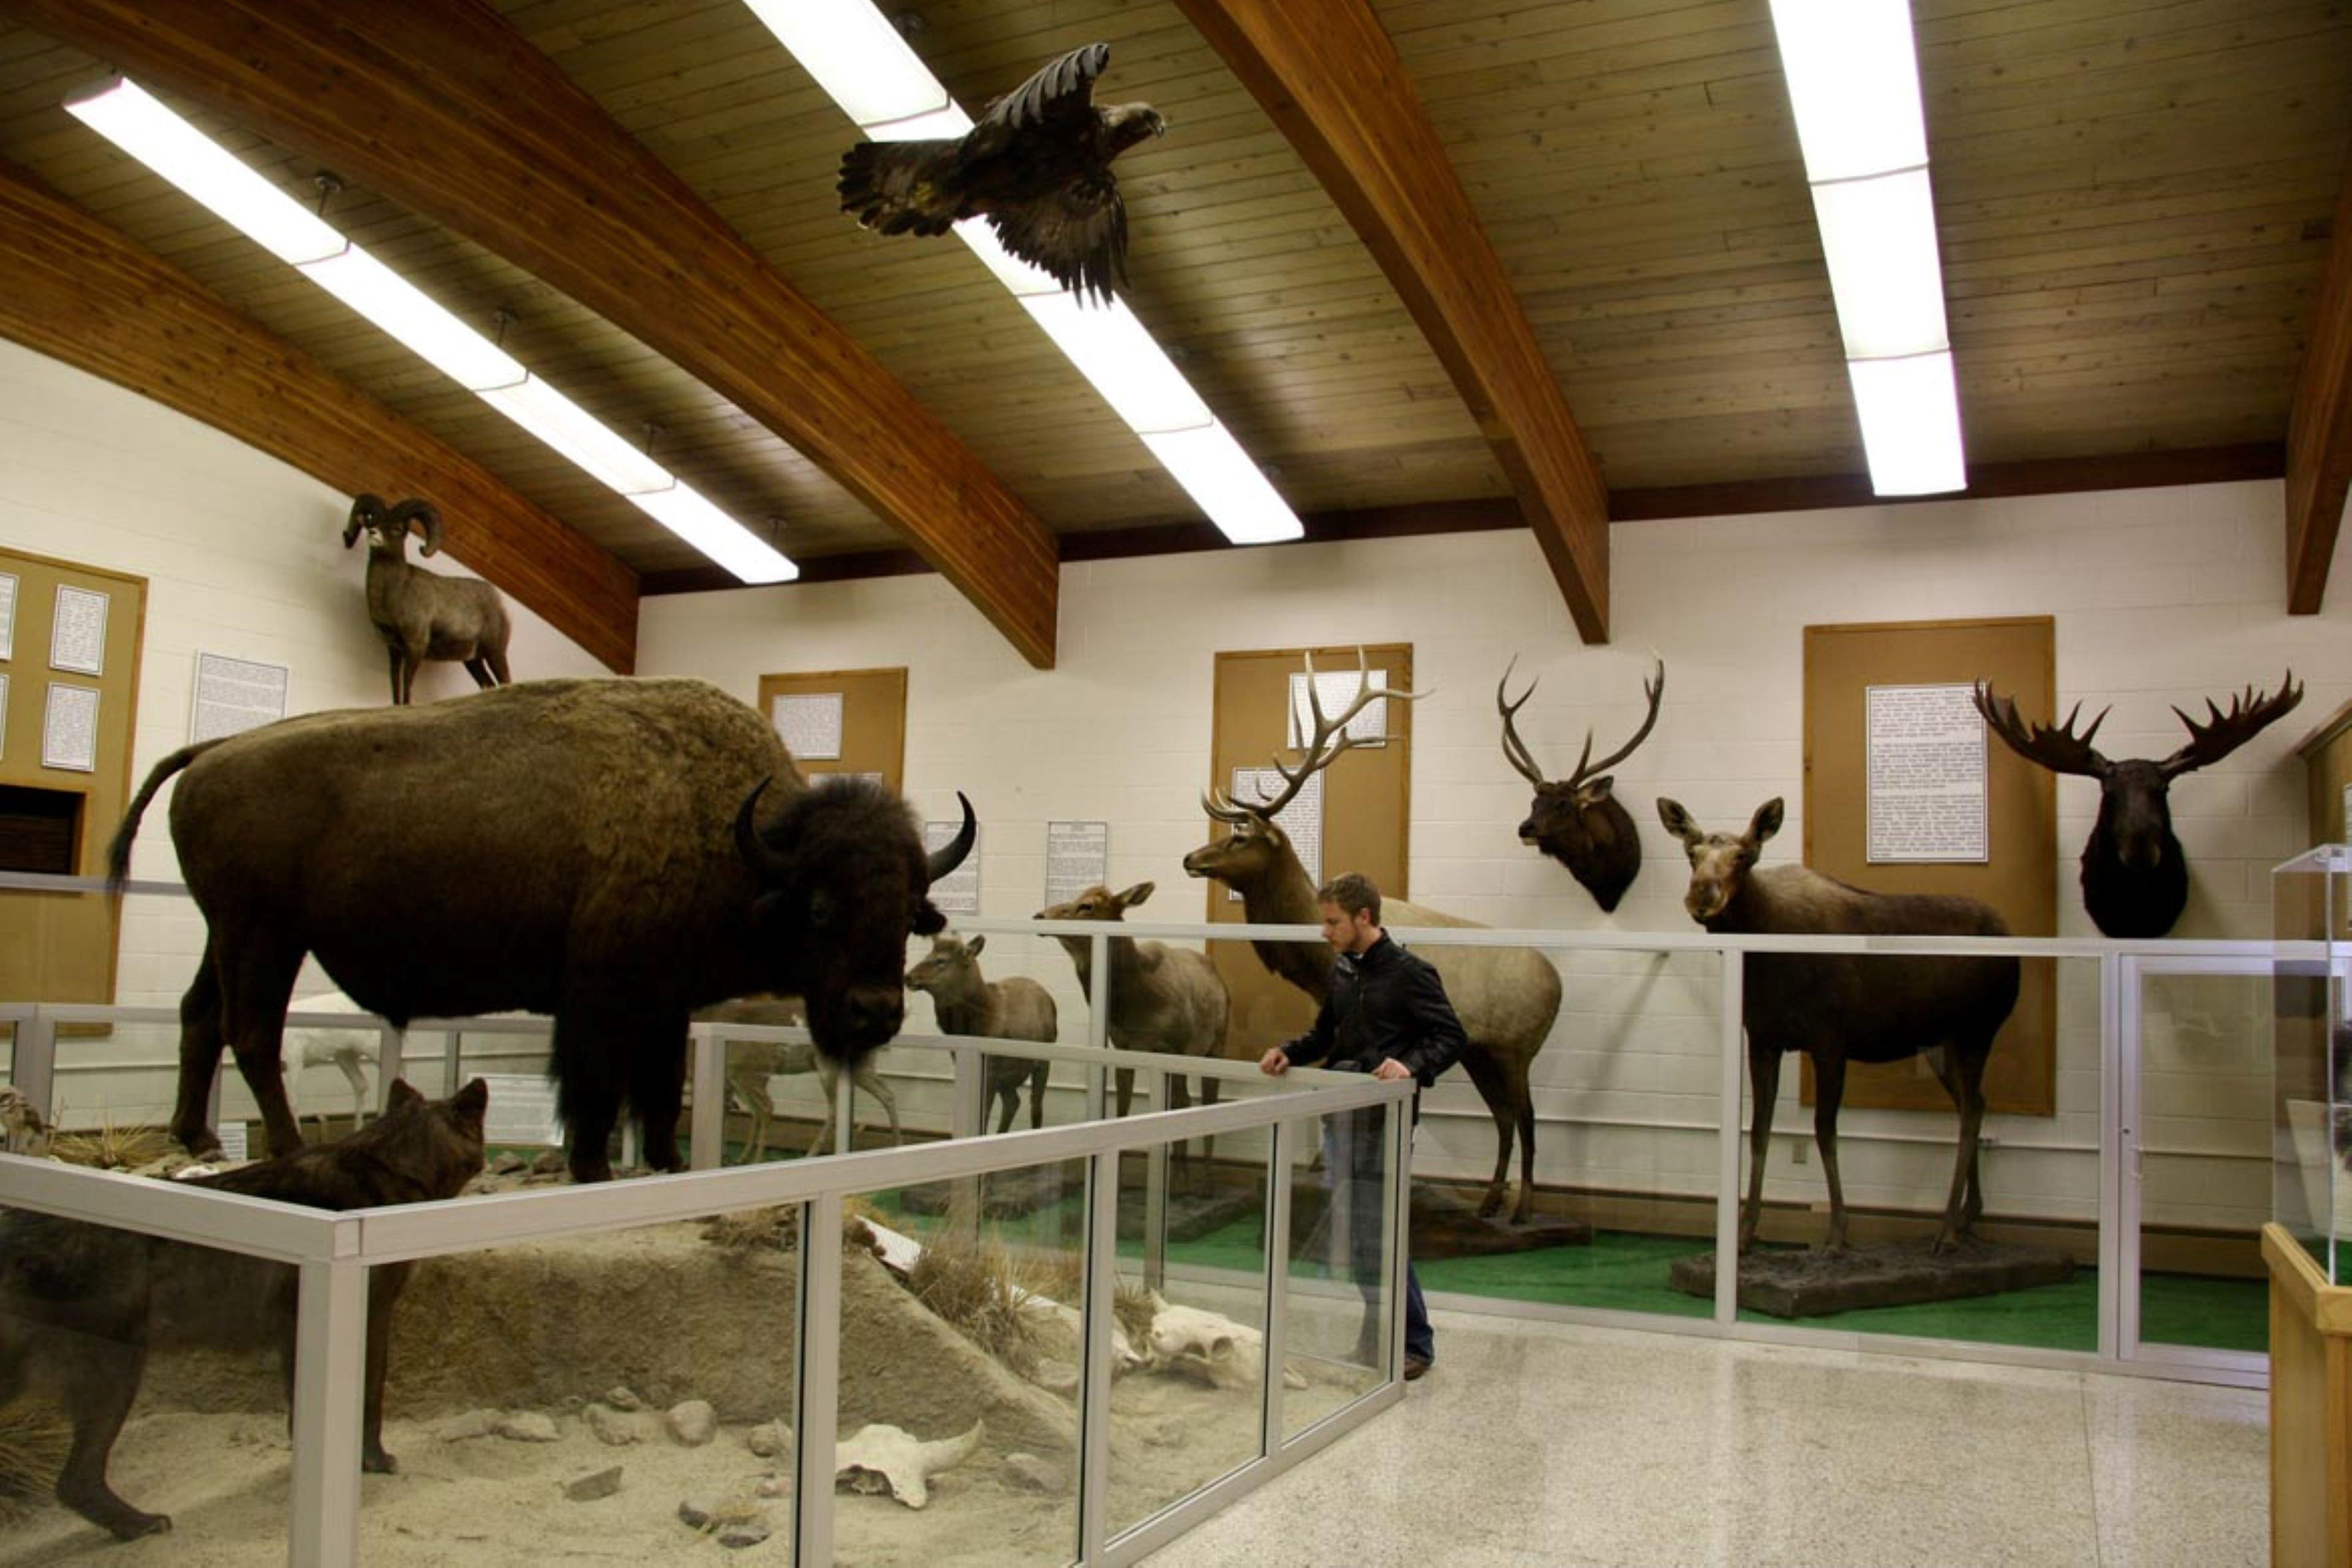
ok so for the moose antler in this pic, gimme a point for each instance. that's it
(2061, 749)
(1515, 749)
(1320, 752)
(2223, 733)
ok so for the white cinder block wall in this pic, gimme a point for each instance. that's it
(2159, 596)
(243, 557)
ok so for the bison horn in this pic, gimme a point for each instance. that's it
(366, 509)
(950, 856)
(755, 850)
(415, 512)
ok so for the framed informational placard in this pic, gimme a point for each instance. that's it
(1334, 690)
(521, 1110)
(234, 695)
(1078, 857)
(69, 728)
(4, 715)
(1302, 818)
(78, 631)
(958, 892)
(810, 724)
(1924, 755)
(7, 615)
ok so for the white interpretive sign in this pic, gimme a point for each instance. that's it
(7, 615)
(958, 892)
(1335, 692)
(521, 1109)
(4, 714)
(2343, 826)
(1302, 819)
(234, 695)
(810, 724)
(231, 1133)
(1927, 775)
(1078, 857)
(77, 638)
(69, 728)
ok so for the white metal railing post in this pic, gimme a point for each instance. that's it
(330, 1399)
(2119, 1016)
(1155, 1194)
(391, 1056)
(1396, 1223)
(1280, 1158)
(707, 1122)
(817, 1381)
(1732, 977)
(844, 1109)
(34, 1066)
(1098, 1024)
(1095, 1378)
(968, 1112)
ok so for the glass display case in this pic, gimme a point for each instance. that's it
(2311, 1193)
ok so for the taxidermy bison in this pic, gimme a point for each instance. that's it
(616, 853)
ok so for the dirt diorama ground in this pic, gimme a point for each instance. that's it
(521, 1379)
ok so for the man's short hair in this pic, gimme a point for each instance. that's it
(1354, 893)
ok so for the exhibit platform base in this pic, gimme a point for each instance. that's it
(1813, 1283)
(2311, 1394)
(1446, 1225)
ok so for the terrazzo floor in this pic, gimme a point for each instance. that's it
(1575, 1447)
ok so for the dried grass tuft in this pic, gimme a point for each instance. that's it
(984, 1291)
(113, 1146)
(33, 1441)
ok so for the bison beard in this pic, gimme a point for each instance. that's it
(586, 848)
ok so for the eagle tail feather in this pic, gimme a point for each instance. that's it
(899, 187)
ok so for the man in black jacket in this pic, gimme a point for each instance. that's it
(1385, 1014)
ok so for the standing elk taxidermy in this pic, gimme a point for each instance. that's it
(594, 849)
(1506, 997)
(1842, 1008)
(1578, 820)
(422, 614)
(1014, 1009)
(1162, 998)
(2135, 873)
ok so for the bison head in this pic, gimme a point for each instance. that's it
(844, 878)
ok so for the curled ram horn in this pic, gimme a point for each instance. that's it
(879, 1459)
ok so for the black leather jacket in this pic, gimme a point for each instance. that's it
(1384, 1002)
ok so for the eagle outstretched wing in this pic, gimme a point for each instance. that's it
(1076, 234)
(1063, 89)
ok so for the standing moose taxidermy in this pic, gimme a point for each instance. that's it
(422, 614)
(2135, 873)
(1506, 997)
(1841, 1008)
(1578, 821)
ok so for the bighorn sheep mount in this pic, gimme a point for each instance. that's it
(1848, 1007)
(2135, 873)
(422, 614)
(1578, 821)
(1506, 996)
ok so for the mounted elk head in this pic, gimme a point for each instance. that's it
(1577, 820)
(2135, 874)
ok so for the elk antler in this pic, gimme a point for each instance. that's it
(1515, 749)
(2061, 749)
(1321, 752)
(2223, 733)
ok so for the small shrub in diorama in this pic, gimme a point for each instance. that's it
(33, 1441)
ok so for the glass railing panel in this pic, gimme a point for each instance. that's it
(1337, 1324)
(962, 1336)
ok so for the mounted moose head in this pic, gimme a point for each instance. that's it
(1578, 821)
(2135, 874)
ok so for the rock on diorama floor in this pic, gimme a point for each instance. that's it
(551, 1327)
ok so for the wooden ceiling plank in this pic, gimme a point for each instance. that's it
(2319, 425)
(1329, 78)
(442, 107)
(83, 294)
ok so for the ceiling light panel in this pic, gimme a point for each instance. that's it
(1853, 81)
(1878, 235)
(1910, 412)
(135, 122)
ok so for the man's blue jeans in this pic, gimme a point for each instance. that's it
(1354, 1151)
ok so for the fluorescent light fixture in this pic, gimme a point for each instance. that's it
(1853, 81)
(685, 511)
(857, 56)
(1878, 235)
(1910, 411)
(1112, 349)
(578, 435)
(128, 116)
(396, 305)
(135, 122)
(1223, 481)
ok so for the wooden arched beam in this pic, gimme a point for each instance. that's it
(2319, 427)
(1326, 73)
(445, 107)
(82, 293)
